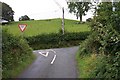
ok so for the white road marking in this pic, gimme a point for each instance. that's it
(46, 52)
(53, 59)
(45, 55)
(34, 51)
(52, 50)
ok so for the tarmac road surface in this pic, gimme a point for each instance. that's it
(53, 63)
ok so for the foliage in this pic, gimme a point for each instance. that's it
(108, 67)
(90, 45)
(105, 39)
(7, 12)
(24, 18)
(59, 40)
(109, 41)
(115, 18)
(15, 51)
(79, 8)
(89, 19)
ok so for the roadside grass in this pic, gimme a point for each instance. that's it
(86, 64)
(18, 70)
(37, 27)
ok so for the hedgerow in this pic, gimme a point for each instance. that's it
(55, 40)
(15, 51)
(105, 39)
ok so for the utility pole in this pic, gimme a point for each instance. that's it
(63, 21)
(62, 27)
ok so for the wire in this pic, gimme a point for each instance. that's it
(45, 12)
(57, 4)
(61, 6)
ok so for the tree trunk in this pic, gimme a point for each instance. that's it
(80, 17)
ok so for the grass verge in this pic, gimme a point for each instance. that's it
(86, 64)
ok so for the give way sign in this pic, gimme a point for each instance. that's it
(22, 27)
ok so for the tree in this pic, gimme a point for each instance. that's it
(7, 12)
(23, 18)
(79, 8)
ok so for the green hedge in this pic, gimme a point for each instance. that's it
(56, 40)
(104, 40)
(15, 51)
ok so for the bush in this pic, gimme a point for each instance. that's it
(15, 51)
(55, 40)
(107, 67)
(89, 19)
(105, 39)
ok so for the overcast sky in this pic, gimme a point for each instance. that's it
(41, 9)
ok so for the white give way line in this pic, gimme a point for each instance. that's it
(45, 54)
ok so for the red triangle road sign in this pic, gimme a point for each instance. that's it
(22, 27)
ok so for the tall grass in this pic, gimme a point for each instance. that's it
(87, 64)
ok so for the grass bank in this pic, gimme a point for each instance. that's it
(37, 27)
(86, 64)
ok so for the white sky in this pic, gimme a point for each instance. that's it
(41, 9)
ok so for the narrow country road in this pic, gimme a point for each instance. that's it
(53, 63)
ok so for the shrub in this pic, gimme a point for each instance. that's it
(105, 39)
(107, 67)
(15, 51)
(56, 40)
(89, 19)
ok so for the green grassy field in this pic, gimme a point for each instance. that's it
(45, 27)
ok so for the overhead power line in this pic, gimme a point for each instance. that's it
(57, 4)
(45, 12)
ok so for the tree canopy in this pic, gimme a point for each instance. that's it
(23, 18)
(7, 12)
(79, 8)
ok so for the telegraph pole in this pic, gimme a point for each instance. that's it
(62, 27)
(63, 21)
